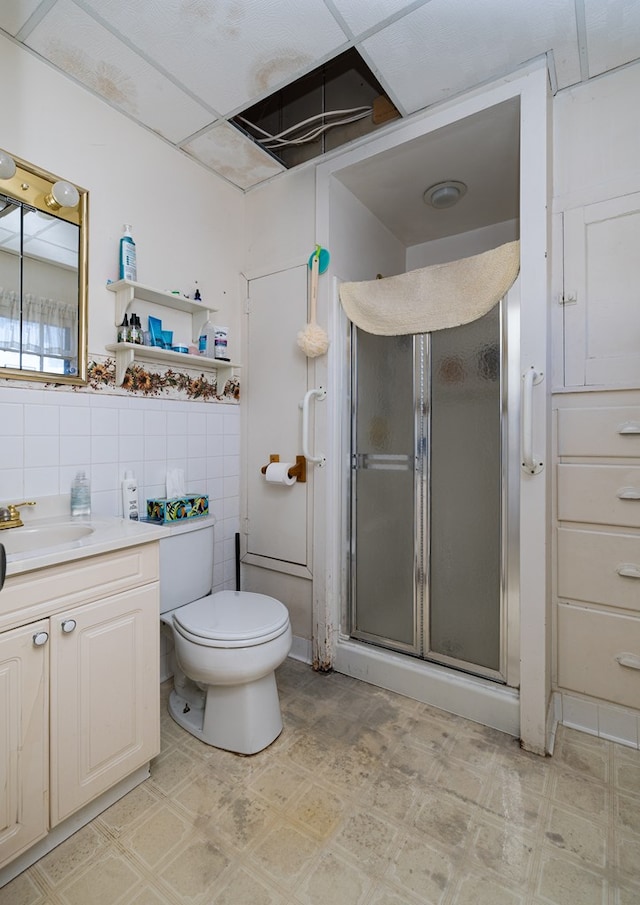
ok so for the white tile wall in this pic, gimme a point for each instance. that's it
(47, 435)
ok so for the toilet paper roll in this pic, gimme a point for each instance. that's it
(278, 473)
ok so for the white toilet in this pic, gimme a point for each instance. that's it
(227, 646)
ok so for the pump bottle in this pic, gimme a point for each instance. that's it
(128, 270)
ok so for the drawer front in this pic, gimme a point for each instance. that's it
(599, 431)
(32, 595)
(600, 568)
(590, 646)
(602, 494)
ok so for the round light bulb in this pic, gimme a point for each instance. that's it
(7, 166)
(63, 194)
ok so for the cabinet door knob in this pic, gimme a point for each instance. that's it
(40, 638)
(632, 661)
(629, 493)
(629, 427)
(68, 626)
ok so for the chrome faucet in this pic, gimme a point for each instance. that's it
(10, 517)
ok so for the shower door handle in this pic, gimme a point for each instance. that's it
(530, 378)
(382, 462)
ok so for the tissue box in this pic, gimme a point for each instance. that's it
(173, 510)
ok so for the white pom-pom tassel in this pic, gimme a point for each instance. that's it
(313, 341)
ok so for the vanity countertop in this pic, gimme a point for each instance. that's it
(53, 541)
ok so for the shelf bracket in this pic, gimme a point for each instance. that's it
(124, 296)
(124, 360)
(198, 321)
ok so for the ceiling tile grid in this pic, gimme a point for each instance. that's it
(448, 46)
(183, 67)
(613, 33)
(84, 50)
(14, 14)
(227, 152)
(362, 15)
(228, 53)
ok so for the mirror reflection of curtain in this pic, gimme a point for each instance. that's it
(46, 326)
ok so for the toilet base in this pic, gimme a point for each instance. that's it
(244, 719)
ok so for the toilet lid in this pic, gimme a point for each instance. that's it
(232, 619)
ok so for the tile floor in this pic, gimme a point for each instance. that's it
(367, 798)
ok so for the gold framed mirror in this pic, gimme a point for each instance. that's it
(43, 275)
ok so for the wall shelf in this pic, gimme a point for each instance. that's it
(126, 291)
(126, 353)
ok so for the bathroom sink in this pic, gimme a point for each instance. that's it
(25, 540)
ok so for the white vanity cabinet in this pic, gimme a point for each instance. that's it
(24, 757)
(79, 689)
(104, 696)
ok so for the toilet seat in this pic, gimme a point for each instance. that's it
(232, 619)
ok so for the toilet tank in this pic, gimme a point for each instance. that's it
(186, 562)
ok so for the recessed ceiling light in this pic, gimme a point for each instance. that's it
(444, 194)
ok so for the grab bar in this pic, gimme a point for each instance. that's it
(530, 378)
(320, 393)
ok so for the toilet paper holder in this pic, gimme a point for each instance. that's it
(297, 471)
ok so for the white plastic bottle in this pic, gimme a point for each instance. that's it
(80, 495)
(130, 496)
(128, 269)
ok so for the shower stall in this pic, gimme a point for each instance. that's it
(431, 555)
(433, 494)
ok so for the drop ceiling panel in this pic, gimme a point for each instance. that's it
(613, 33)
(14, 13)
(447, 46)
(228, 53)
(83, 49)
(227, 152)
(361, 15)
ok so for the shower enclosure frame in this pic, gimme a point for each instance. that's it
(525, 711)
(509, 603)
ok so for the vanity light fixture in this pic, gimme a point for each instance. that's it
(62, 194)
(444, 194)
(7, 166)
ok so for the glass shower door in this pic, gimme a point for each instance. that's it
(465, 587)
(427, 494)
(385, 507)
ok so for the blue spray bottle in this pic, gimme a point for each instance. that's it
(128, 269)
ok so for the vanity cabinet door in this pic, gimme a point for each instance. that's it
(105, 718)
(24, 738)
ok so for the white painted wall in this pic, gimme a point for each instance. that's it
(452, 248)
(361, 246)
(189, 225)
